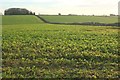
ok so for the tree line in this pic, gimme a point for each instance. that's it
(18, 11)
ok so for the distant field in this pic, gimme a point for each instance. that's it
(33, 49)
(75, 19)
(25, 19)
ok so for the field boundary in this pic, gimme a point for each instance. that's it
(84, 23)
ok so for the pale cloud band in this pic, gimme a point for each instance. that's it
(64, 6)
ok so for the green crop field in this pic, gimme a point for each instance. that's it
(33, 49)
(76, 19)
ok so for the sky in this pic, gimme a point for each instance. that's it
(79, 7)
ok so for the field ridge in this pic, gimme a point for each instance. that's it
(91, 23)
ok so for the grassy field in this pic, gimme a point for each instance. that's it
(75, 19)
(33, 49)
(26, 19)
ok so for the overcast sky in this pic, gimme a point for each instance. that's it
(98, 7)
